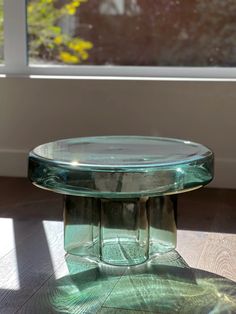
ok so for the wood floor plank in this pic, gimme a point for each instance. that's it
(108, 310)
(14, 231)
(18, 190)
(208, 210)
(83, 289)
(24, 270)
(190, 245)
(219, 255)
(48, 209)
(42, 301)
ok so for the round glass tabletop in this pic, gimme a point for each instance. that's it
(118, 166)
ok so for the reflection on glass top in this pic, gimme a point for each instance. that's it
(121, 152)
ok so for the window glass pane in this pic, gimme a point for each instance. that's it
(1, 31)
(133, 32)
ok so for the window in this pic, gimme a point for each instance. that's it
(120, 37)
(133, 32)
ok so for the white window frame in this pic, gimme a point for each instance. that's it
(15, 58)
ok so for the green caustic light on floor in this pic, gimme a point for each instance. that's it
(164, 284)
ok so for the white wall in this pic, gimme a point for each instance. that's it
(34, 111)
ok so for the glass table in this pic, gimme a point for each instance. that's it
(120, 192)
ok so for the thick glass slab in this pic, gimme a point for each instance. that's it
(119, 166)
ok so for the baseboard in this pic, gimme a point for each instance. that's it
(13, 163)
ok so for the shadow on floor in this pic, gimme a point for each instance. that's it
(208, 209)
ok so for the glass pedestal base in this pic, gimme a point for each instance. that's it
(120, 232)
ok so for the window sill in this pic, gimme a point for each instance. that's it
(131, 73)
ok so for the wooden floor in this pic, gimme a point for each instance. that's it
(31, 233)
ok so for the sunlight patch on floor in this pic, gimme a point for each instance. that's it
(55, 239)
(7, 248)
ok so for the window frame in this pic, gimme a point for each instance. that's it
(16, 63)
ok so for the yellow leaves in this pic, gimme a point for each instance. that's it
(58, 40)
(68, 58)
(30, 8)
(84, 55)
(76, 3)
(70, 9)
(72, 6)
(78, 49)
(80, 45)
(73, 51)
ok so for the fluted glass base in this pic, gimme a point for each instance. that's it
(121, 232)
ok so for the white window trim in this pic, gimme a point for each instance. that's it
(15, 55)
(15, 42)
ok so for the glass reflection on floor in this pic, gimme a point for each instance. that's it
(165, 284)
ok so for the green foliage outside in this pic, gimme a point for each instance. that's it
(47, 42)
